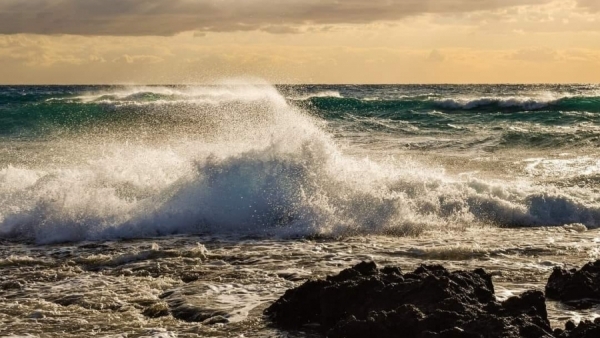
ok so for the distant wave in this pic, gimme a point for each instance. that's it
(499, 104)
(326, 93)
(513, 122)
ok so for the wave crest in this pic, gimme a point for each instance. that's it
(500, 102)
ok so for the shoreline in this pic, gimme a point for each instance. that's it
(242, 277)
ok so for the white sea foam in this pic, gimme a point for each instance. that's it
(325, 93)
(528, 103)
(249, 163)
(226, 91)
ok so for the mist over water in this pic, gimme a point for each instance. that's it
(94, 163)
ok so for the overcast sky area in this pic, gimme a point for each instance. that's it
(299, 41)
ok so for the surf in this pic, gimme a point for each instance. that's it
(242, 159)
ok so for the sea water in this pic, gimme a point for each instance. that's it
(225, 195)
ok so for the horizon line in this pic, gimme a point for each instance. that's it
(303, 84)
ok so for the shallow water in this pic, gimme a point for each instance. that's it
(104, 288)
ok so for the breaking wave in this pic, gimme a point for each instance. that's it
(243, 160)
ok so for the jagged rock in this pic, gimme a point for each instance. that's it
(365, 301)
(585, 329)
(578, 288)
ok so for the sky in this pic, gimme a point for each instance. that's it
(299, 41)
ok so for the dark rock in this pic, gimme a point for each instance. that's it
(156, 310)
(364, 301)
(577, 288)
(67, 300)
(12, 285)
(94, 246)
(166, 294)
(188, 277)
(585, 329)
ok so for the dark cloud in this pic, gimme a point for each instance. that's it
(168, 17)
(593, 5)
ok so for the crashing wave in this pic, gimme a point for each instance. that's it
(251, 163)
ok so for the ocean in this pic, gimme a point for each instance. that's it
(116, 200)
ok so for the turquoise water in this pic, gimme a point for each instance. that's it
(445, 109)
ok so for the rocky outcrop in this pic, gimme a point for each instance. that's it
(577, 288)
(585, 329)
(365, 301)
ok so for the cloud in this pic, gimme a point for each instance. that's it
(582, 55)
(436, 56)
(169, 17)
(78, 59)
(593, 5)
(96, 58)
(538, 54)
